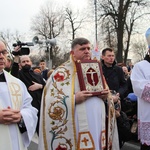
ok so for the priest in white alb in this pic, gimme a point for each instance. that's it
(18, 118)
(140, 77)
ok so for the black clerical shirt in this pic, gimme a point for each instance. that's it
(2, 78)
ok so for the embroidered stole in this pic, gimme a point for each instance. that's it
(110, 124)
(57, 122)
(85, 140)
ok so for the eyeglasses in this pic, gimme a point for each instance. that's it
(4, 52)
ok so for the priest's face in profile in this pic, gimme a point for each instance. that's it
(81, 52)
(3, 55)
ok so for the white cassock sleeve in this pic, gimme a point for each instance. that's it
(29, 114)
(140, 77)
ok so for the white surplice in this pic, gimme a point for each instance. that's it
(10, 137)
(140, 77)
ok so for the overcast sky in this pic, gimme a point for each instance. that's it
(17, 14)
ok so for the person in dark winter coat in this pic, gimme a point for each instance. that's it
(115, 79)
(113, 74)
(33, 81)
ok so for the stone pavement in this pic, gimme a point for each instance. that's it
(131, 145)
(34, 144)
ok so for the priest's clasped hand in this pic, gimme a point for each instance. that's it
(9, 116)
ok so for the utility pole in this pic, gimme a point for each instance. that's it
(95, 4)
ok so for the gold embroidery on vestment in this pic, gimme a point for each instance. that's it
(85, 141)
(58, 110)
(16, 95)
(103, 140)
(73, 102)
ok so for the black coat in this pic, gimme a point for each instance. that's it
(27, 77)
(115, 79)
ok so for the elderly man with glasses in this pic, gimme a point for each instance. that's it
(18, 118)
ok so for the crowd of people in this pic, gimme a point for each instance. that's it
(51, 103)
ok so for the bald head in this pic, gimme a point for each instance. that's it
(24, 57)
(3, 55)
(2, 45)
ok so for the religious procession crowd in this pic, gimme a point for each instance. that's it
(79, 105)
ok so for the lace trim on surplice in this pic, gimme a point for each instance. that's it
(146, 93)
(144, 132)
